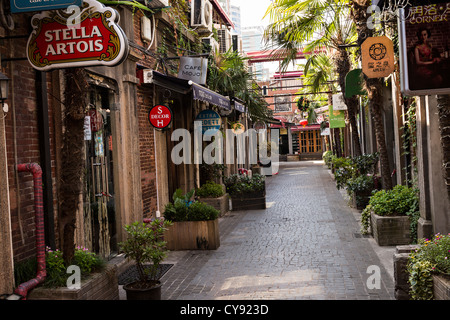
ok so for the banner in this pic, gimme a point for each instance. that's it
(337, 118)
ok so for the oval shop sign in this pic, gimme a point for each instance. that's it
(211, 120)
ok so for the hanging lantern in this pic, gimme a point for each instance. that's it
(303, 122)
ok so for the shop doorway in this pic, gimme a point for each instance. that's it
(99, 201)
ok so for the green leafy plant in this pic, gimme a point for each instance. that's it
(185, 209)
(240, 185)
(210, 189)
(431, 257)
(400, 200)
(327, 157)
(144, 244)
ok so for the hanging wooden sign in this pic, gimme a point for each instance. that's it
(377, 57)
(64, 40)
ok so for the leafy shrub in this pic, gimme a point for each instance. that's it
(360, 183)
(240, 185)
(327, 157)
(210, 189)
(185, 209)
(56, 269)
(432, 256)
(401, 200)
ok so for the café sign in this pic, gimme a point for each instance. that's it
(64, 40)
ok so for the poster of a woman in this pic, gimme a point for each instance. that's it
(424, 52)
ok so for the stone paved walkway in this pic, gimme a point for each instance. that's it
(305, 245)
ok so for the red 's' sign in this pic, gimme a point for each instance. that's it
(160, 116)
(61, 40)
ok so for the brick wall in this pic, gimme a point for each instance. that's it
(22, 136)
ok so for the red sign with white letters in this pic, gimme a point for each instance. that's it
(160, 116)
(90, 38)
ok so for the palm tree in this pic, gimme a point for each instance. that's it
(229, 76)
(373, 86)
(324, 26)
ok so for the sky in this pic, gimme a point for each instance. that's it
(252, 12)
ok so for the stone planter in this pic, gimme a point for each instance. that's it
(221, 203)
(99, 286)
(390, 230)
(293, 157)
(251, 201)
(193, 235)
(441, 287)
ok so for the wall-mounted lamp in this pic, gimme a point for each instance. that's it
(4, 80)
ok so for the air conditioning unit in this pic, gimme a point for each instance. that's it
(202, 15)
(212, 43)
(156, 3)
(225, 39)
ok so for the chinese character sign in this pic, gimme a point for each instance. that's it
(424, 49)
(377, 57)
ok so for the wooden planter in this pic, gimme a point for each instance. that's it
(193, 235)
(221, 203)
(251, 201)
(99, 286)
(390, 230)
(441, 287)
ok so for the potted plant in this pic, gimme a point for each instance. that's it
(247, 193)
(195, 223)
(145, 244)
(214, 195)
(392, 215)
(429, 269)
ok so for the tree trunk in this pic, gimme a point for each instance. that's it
(443, 105)
(374, 88)
(72, 155)
(342, 62)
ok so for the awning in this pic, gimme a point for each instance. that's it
(238, 105)
(185, 86)
(306, 128)
(203, 94)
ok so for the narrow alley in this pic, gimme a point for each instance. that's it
(305, 245)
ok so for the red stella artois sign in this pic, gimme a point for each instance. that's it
(160, 116)
(91, 37)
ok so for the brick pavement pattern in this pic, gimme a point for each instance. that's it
(305, 245)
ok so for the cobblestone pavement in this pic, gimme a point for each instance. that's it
(305, 245)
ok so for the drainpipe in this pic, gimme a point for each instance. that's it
(35, 169)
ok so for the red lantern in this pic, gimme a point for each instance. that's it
(303, 122)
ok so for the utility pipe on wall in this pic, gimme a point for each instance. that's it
(35, 169)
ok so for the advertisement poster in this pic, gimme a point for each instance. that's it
(337, 118)
(424, 49)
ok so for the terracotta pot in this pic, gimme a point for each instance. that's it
(143, 291)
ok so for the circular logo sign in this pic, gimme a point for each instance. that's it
(211, 120)
(160, 116)
(377, 51)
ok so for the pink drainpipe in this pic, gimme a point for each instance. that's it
(35, 169)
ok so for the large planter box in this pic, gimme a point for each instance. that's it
(252, 201)
(441, 287)
(221, 203)
(193, 235)
(390, 230)
(99, 286)
(293, 157)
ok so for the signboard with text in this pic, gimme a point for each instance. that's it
(91, 38)
(41, 5)
(424, 49)
(377, 57)
(160, 117)
(211, 121)
(194, 69)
